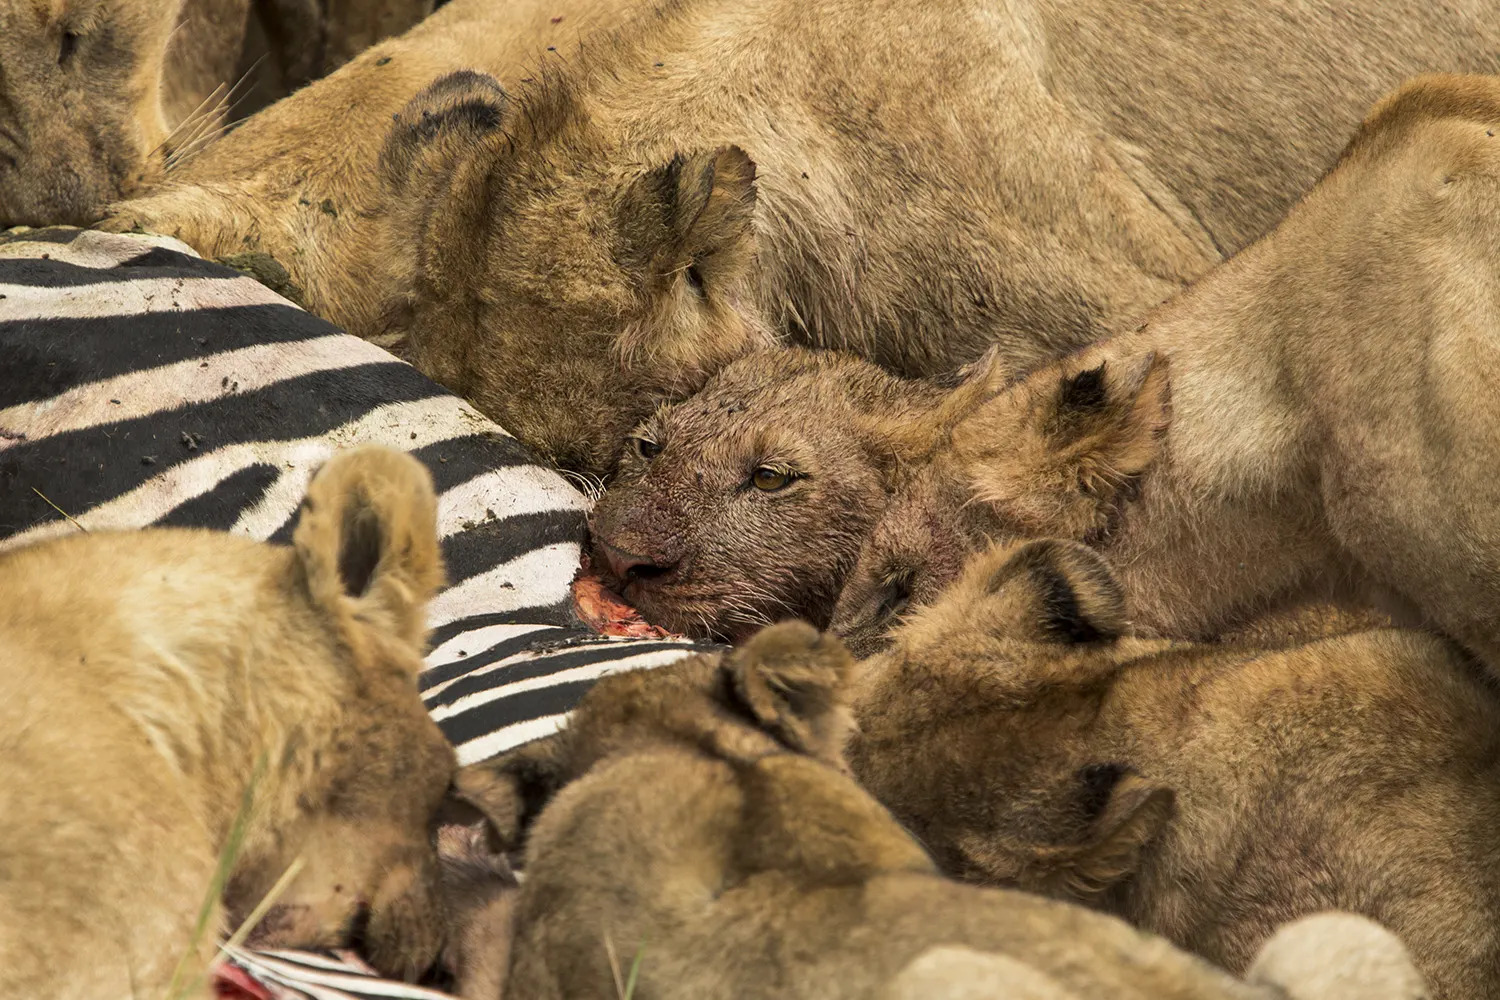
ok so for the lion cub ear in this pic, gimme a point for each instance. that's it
(439, 127)
(436, 167)
(509, 791)
(791, 679)
(1056, 453)
(1048, 590)
(1107, 420)
(686, 231)
(1119, 814)
(1124, 813)
(691, 208)
(912, 439)
(366, 542)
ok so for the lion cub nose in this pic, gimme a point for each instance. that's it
(632, 568)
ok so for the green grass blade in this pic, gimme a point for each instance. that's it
(233, 844)
(635, 971)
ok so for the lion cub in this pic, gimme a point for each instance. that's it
(1206, 794)
(163, 689)
(695, 820)
(752, 498)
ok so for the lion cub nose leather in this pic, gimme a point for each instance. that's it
(623, 562)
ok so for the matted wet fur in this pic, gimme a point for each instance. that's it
(157, 681)
(912, 182)
(1316, 418)
(748, 503)
(695, 820)
(1203, 793)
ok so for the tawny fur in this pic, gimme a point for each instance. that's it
(1207, 794)
(913, 182)
(696, 819)
(299, 180)
(479, 896)
(1331, 956)
(156, 681)
(931, 524)
(1315, 418)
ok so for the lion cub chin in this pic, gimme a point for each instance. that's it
(695, 822)
(176, 702)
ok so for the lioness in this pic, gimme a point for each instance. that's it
(913, 182)
(99, 97)
(1316, 417)
(693, 824)
(176, 702)
(1206, 794)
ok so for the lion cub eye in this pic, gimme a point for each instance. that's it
(646, 448)
(770, 480)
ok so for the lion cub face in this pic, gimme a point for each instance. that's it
(253, 706)
(748, 502)
(365, 563)
(80, 104)
(565, 301)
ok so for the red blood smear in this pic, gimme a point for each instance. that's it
(233, 983)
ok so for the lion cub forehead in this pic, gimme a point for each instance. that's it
(772, 404)
(767, 403)
(741, 446)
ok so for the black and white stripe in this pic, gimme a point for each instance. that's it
(141, 385)
(296, 975)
